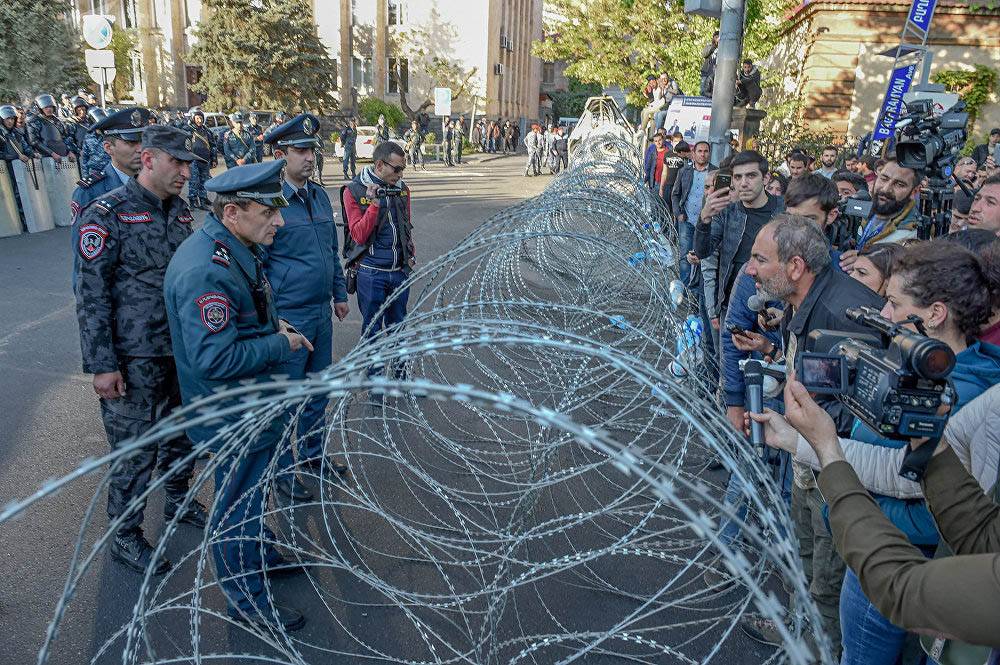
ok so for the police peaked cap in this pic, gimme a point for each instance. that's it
(257, 182)
(300, 132)
(127, 123)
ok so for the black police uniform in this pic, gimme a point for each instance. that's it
(124, 241)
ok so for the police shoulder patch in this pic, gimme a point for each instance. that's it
(143, 217)
(91, 180)
(214, 309)
(93, 240)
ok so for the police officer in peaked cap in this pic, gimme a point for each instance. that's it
(120, 136)
(226, 331)
(124, 241)
(303, 266)
(237, 143)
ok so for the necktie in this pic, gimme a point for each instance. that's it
(304, 195)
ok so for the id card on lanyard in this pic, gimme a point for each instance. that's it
(871, 230)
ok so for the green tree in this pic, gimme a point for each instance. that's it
(123, 43)
(569, 103)
(370, 108)
(42, 52)
(974, 86)
(262, 54)
(619, 42)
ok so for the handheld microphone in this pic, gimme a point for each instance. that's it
(753, 374)
(758, 301)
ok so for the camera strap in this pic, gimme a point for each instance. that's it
(915, 462)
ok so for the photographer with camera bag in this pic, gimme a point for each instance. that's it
(955, 597)
(378, 242)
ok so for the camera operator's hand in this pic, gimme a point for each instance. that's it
(748, 342)
(777, 432)
(847, 259)
(692, 258)
(812, 422)
(714, 204)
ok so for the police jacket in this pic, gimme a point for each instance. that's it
(13, 144)
(94, 186)
(78, 131)
(222, 332)
(203, 143)
(414, 139)
(303, 263)
(93, 157)
(124, 241)
(238, 145)
(49, 135)
(387, 217)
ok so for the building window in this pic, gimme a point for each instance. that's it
(398, 72)
(357, 71)
(131, 13)
(548, 73)
(396, 12)
(137, 74)
(99, 6)
(156, 13)
(336, 74)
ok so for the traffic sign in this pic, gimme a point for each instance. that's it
(97, 30)
(442, 101)
(102, 58)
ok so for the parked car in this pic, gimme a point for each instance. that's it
(366, 142)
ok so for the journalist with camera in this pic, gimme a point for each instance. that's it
(918, 356)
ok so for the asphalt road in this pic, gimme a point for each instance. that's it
(49, 418)
(49, 423)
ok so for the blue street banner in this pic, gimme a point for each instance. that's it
(921, 13)
(899, 84)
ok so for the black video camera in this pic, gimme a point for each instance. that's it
(852, 214)
(928, 142)
(894, 382)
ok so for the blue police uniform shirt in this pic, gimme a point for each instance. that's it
(92, 187)
(303, 263)
(218, 339)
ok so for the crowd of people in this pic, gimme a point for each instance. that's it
(775, 254)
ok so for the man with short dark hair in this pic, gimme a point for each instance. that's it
(989, 149)
(687, 197)
(867, 168)
(349, 139)
(203, 145)
(851, 163)
(748, 89)
(708, 59)
(848, 184)
(798, 165)
(726, 231)
(985, 210)
(124, 241)
(379, 242)
(894, 209)
(827, 162)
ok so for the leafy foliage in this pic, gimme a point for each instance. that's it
(262, 53)
(370, 108)
(975, 87)
(570, 102)
(123, 42)
(41, 51)
(619, 42)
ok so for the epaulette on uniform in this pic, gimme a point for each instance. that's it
(221, 254)
(108, 203)
(89, 181)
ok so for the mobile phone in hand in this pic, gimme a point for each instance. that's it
(736, 330)
(723, 181)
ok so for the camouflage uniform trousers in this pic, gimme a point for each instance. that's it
(151, 393)
(823, 566)
(200, 174)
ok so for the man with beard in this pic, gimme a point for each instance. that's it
(121, 135)
(894, 209)
(203, 145)
(827, 162)
(791, 261)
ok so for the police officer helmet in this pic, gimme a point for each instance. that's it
(97, 114)
(253, 118)
(78, 101)
(236, 117)
(45, 101)
(7, 111)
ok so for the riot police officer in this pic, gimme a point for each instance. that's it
(303, 266)
(122, 143)
(226, 331)
(13, 146)
(349, 139)
(203, 145)
(78, 125)
(414, 141)
(237, 143)
(47, 134)
(124, 241)
(93, 157)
